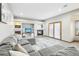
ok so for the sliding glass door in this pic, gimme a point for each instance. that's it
(55, 30)
(51, 30)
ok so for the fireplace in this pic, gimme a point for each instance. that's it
(39, 32)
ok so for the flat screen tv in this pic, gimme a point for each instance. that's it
(28, 30)
(0, 12)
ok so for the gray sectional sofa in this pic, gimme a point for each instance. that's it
(56, 50)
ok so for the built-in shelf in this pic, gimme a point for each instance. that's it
(17, 26)
(28, 30)
(17, 29)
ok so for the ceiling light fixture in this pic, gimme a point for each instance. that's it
(21, 14)
(63, 7)
(60, 10)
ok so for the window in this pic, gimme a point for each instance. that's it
(77, 28)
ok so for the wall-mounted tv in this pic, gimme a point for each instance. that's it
(0, 11)
(28, 30)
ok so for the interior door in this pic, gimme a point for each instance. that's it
(57, 29)
(51, 30)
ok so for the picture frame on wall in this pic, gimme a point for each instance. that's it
(3, 18)
(5, 14)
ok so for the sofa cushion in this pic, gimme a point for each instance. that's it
(6, 46)
(29, 48)
(8, 39)
(3, 44)
(17, 53)
(23, 42)
(50, 51)
(70, 51)
(4, 52)
(32, 41)
(34, 54)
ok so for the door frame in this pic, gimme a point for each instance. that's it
(54, 29)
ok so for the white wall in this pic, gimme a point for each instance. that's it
(37, 24)
(68, 28)
(6, 29)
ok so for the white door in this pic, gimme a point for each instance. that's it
(51, 30)
(57, 30)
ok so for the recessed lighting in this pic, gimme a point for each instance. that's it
(60, 10)
(63, 7)
(21, 14)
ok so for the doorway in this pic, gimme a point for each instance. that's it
(55, 30)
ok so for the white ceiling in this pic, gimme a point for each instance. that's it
(41, 11)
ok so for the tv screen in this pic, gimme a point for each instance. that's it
(28, 30)
(0, 12)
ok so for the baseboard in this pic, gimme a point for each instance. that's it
(76, 41)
